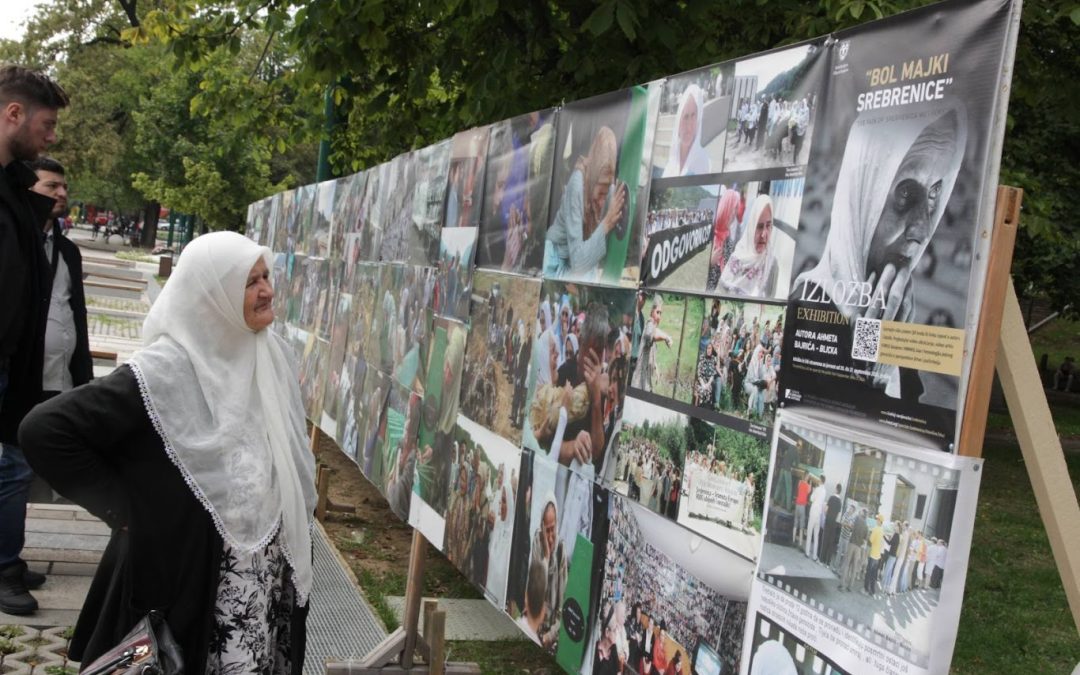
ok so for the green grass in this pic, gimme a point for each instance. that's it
(137, 256)
(504, 656)
(1015, 617)
(1057, 339)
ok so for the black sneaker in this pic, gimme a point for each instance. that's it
(14, 596)
(33, 579)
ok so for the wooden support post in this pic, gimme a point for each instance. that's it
(316, 436)
(981, 377)
(322, 488)
(414, 591)
(1041, 447)
(437, 641)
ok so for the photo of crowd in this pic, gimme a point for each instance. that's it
(578, 371)
(322, 214)
(395, 467)
(862, 531)
(334, 392)
(773, 108)
(399, 240)
(738, 362)
(313, 357)
(677, 215)
(597, 187)
(480, 512)
(648, 455)
(664, 601)
(431, 170)
(693, 121)
(515, 214)
(371, 415)
(498, 351)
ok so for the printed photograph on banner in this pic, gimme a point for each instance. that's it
(664, 343)
(465, 189)
(371, 413)
(370, 225)
(518, 185)
(255, 221)
(480, 511)
(324, 322)
(738, 362)
(438, 448)
(578, 371)
(281, 241)
(273, 219)
(279, 280)
(868, 536)
(553, 556)
(346, 222)
(598, 187)
(398, 451)
(678, 235)
(692, 126)
(454, 273)
(313, 374)
(322, 213)
(397, 211)
(753, 237)
(401, 322)
(364, 288)
(337, 380)
(692, 471)
(304, 280)
(503, 321)
(893, 236)
(432, 170)
(776, 98)
(775, 650)
(670, 602)
(347, 433)
(301, 226)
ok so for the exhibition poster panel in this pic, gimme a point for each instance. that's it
(865, 553)
(884, 267)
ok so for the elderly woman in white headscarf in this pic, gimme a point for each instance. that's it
(686, 156)
(195, 454)
(895, 181)
(751, 270)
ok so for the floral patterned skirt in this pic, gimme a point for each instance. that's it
(253, 613)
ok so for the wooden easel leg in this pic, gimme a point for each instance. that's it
(1041, 447)
(414, 592)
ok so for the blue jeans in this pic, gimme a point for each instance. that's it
(15, 480)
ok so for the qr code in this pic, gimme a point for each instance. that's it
(867, 339)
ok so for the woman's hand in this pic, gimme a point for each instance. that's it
(615, 211)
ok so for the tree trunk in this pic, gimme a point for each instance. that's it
(151, 213)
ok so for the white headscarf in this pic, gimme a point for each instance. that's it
(747, 272)
(226, 403)
(876, 146)
(697, 160)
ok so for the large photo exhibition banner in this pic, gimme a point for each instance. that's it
(865, 553)
(885, 263)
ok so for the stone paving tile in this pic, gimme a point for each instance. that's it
(117, 303)
(469, 619)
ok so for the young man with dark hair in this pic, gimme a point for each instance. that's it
(29, 105)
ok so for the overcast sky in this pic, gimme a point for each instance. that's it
(14, 14)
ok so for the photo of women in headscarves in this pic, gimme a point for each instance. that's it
(399, 451)
(578, 372)
(755, 259)
(693, 122)
(348, 221)
(337, 380)
(313, 374)
(597, 189)
(497, 357)
(438, 449)
(892, 193)
(774, 108)
(371, 412)
(518, 186)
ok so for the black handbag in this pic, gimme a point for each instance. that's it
(148, 649)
